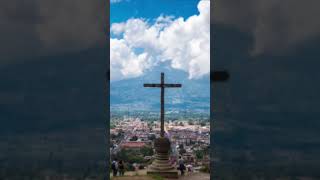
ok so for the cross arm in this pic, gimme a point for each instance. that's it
(172, 85)
(151, 85)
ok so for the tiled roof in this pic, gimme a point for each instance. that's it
(133, 144)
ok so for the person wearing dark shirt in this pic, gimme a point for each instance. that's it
(181, 165)
(121, 168)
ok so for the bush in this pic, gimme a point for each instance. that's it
(205, 169)
(130, 156)
(130, 167)
(146, 151)
(199, 154)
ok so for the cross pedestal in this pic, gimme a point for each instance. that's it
(161, 165)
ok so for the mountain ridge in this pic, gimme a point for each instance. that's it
(193, 95)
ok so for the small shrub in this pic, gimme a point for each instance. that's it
(205, 169)
(130, 167)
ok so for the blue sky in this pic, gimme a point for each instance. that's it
(145, 33)
(150, 9)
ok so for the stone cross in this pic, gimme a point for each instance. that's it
(162, 85)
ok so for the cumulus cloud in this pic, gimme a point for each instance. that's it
(277, 26)
(115, 1)
(185, 43)
(127, 63)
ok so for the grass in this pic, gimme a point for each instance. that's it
(156, 177)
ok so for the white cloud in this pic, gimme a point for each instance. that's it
(125, 63)
(185, 43)
(115, 1)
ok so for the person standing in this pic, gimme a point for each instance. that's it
(114, 167)
(182, 167)
(121, 168)
(189, 167)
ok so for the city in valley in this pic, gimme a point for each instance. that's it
(131, 139)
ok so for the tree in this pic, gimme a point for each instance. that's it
(134, 138)
(113, 136)
(146, 151)
(112, 126)
(152, 137)
(199, 154)
(130, 156)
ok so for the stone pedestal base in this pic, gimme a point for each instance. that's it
(161, 166)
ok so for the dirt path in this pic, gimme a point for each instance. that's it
(194, 176)
(133, 178)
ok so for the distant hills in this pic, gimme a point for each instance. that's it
(130, 93)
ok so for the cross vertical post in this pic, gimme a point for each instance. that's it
(162, 106)
(162, 85)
